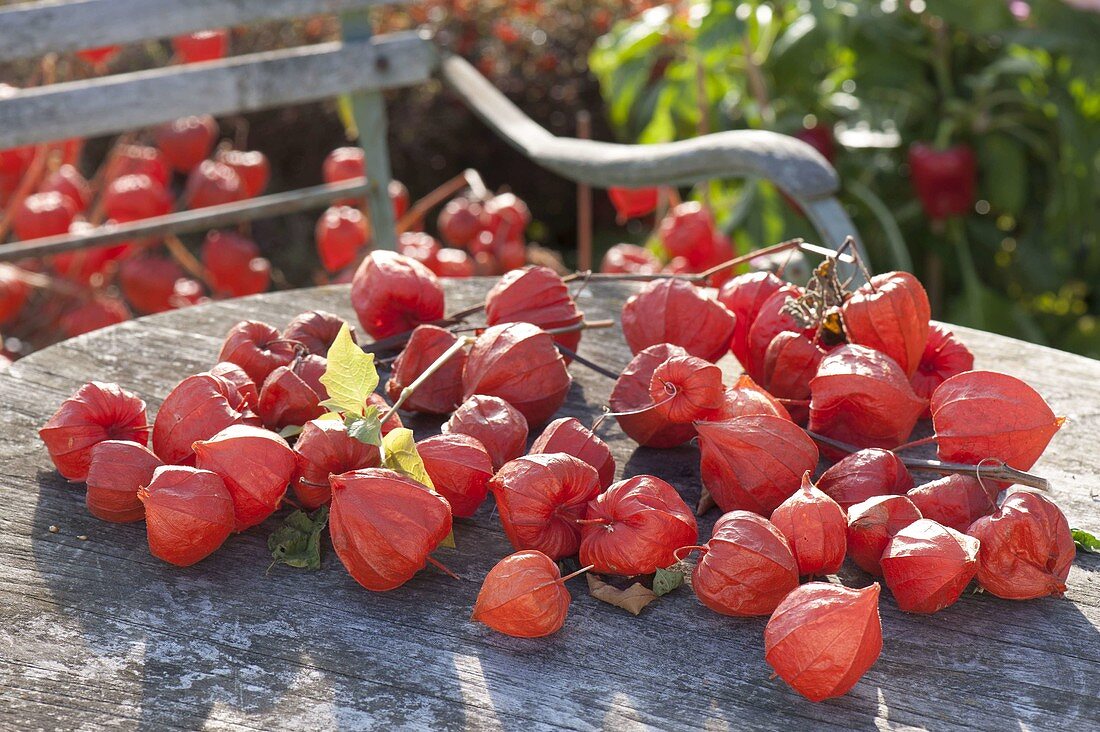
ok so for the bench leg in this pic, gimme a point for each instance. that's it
(369, 110)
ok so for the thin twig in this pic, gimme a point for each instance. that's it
(999, 471)
(585, 362)
(427, 374)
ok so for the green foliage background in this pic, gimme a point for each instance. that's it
(1022, 91)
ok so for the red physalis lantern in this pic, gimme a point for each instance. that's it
(890, 314)
(118, 469)
(861, 397)
(643, 424)
(535, 295)
(568, 435)
(1026, 548)
(944, 357)
(494, 423)
(383, 548)
(95, 413)
(747, 567)
(540, 499)
(635, 526)
(460, 469)
(188, 514)
(927, 566)
(863, 474)
(392, 293)
(871, 525)
(980, 415)
(325, 448)
(523, 596)
(753, 463)
(676, 312)
(442, 391)
(822, 638)
(518, 363)
(816, 529)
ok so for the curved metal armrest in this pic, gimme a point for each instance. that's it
(792, 165)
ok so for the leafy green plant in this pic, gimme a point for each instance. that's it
(1014, 84)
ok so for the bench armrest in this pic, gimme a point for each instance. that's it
(791, 164)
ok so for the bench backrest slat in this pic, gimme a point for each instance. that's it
(34, 29)
(238, 84)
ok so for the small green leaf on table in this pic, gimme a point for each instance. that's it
(350, 376)
(667, 580)
(297, 542)
(1085, 541)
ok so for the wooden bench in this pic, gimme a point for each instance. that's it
(363, 64)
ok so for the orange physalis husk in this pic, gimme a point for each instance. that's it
(325, 448)
(384, 526)
(258, 348)
(392, 293)
(316, 330)
(442, 391)
(686, 388)
(792, 359)
(256, 466)
(568, 435)
(460, 469)
(862, 397)
(822, 638)
(518, 363)
(890, 314)
(635, 526)
(753, 463)
(523, 596)
(541, 498)
(927, 566)
(188, 514)
(743, 296)
(198, 408)
(771, 320)
(747, 567)
(944, 357)
(955, 501)
(493, 422)
(677, 312)
(95, 413)
(745, 398)
(644, 424)
(871, 526)
(864, 474)
(979, 415)
(1026, 548)
(535, 295)
(118, 469)
(293, 394)
(235, 375)
(816, 529)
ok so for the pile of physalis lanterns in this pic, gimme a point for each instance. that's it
(828, 373)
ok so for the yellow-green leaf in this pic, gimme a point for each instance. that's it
(350, 376)
(347, 116)
(400, 455)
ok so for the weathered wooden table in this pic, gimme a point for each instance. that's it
(97, 633)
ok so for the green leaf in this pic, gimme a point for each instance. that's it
(367, 428)
(1085, 541)
(666, 580)
(291, 430)
(350, 376)
(297, 542)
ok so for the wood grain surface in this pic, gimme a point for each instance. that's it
(97, 634)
